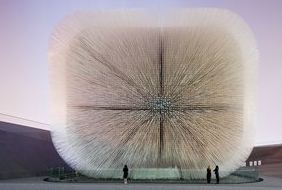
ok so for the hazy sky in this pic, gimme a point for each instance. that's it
(26, 26)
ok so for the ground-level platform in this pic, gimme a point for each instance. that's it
(269, 183)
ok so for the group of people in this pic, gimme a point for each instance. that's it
(216, 172)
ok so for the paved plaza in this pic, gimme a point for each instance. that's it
(38, 184)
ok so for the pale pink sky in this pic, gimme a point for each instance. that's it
(26, 26)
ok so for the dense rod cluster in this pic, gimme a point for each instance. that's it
(150, 95)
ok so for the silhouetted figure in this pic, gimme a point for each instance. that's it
(209, 175)
(216, 172)
(125, 174)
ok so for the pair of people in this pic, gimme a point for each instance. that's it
(216, 172)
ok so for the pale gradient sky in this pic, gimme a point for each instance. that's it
(26, 26)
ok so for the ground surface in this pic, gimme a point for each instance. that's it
(269, 183)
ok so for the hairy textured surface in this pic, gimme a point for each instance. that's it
(153, 91)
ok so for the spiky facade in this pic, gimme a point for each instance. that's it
(153, 91)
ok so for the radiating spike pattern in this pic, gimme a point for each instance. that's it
(153, 91)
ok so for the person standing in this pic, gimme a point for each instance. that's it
(125, 174)
(209, 174)
(216, 172)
